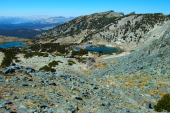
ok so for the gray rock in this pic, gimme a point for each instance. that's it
(32, 111)
(100, 90)
(78, 98)
(43, 106)
(68, 79)
(2, 105)
(22, 106)
(66, 76)
(2, 81)
(54, 110)
(80, 80)
(24, 84)
(30, 70)
(5, 101)
(53, 84)
(8, 70)
(72, 109)
(57, 75)
(149, 105)
(8, 111)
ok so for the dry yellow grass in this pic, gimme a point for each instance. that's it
(144, 80)
(144, 101)
(161, 83)
(127, 104)
(101, 65)
(141, 84)
(128, 84)
(11, 107)
(137, 76)
(30, 105)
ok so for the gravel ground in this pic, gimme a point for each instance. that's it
(127, 84)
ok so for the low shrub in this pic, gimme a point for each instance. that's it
(27, 55)
(80, 52)
(70, 62)
(59, 54)
(47, 68)
(54, 63)
(81, 59)
(10, 54)
(163, 104)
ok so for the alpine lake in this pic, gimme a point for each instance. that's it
(12, 44)
(101, 48)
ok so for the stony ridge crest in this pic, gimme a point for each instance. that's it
(109, 28)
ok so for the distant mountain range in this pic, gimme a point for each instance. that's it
(19, 20)
(22, 33)
(32, 22)
(26, 27)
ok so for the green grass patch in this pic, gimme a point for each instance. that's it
(27, 55)
(47, 68)
(54, 63)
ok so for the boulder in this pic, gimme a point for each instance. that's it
(81, 80)
(22, 106)
(8, 70)
(149, 105)
(30, 70)
(90, 63)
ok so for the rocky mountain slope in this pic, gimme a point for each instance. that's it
(132, 83)
(109, 28)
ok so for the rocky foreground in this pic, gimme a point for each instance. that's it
(132, 84)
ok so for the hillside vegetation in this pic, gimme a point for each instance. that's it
(117, 29)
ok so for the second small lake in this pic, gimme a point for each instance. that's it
(102, 48)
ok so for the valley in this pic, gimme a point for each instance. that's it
(50, 75)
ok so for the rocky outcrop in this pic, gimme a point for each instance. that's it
(90, 63)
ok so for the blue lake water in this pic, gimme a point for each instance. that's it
(102, 48)
(12, 44)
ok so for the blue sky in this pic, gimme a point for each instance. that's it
(80, 7)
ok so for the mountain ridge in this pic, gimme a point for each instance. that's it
(109, 27)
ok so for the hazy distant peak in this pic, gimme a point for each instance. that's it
(59, 19)
(26, 19)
